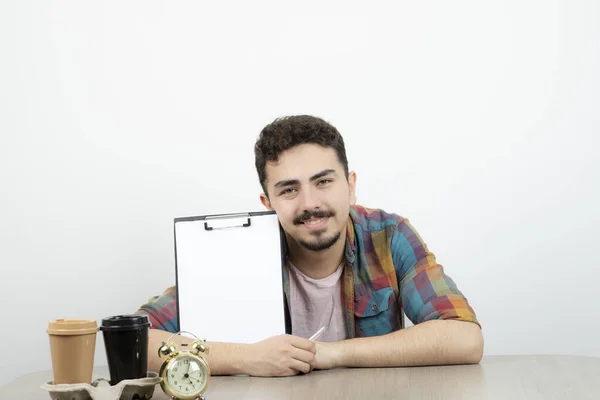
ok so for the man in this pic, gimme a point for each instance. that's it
(352, 269)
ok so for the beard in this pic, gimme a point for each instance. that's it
(320, 242)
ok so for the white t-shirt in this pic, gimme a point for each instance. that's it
(315, 303)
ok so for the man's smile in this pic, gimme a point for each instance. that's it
(315, 223)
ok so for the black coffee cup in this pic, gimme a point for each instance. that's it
(126, 344)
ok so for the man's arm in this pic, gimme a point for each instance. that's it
(446, 330)
(276, 356)
(436, 342)
(223, 358)
(282, 355)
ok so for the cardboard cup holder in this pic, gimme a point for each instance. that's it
(100, 389)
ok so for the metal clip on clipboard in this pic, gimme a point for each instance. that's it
(227, 216)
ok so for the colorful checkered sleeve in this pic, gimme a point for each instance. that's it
(162, 310)
(427, 293)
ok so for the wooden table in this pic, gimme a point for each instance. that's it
(496, 377)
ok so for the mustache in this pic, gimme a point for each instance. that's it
(306, 215)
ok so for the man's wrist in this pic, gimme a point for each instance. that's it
(230, 358)
(241, 359)
(338, 351)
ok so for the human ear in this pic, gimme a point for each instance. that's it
(264, 199)
(352, 187)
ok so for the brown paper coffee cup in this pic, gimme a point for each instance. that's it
(72, 348)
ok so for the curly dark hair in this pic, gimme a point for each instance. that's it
(286, 132)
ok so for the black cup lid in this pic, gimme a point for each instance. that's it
(125, 322)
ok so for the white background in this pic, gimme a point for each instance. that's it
(478, 121)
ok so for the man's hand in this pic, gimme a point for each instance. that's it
(282, 355)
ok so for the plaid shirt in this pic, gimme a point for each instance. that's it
(388, 272)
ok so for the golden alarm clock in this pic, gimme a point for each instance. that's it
(184, 373)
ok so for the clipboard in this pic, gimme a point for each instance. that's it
(228, 272)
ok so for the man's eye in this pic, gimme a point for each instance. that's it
(324, 181)
(287, 191)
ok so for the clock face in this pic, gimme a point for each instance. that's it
(187, 375)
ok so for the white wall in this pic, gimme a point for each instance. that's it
(479, 122)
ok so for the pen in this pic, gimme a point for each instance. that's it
(317, 333)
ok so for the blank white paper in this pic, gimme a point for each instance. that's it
(230, 280)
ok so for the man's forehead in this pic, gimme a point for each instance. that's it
(302, 162)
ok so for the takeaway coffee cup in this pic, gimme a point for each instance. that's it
(72, 348)
(126, 344)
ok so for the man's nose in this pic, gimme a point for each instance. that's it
(309, 200)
